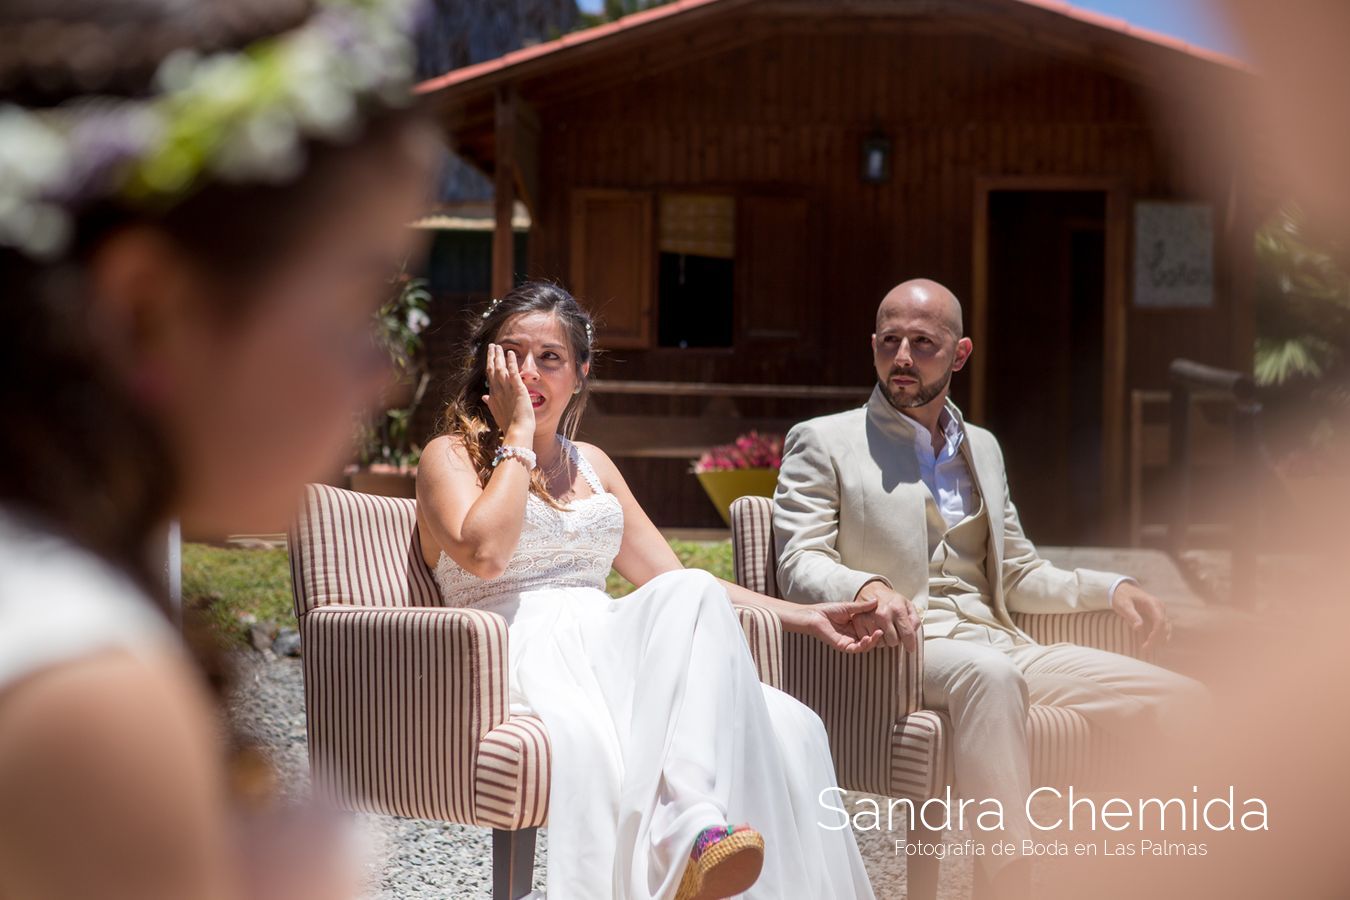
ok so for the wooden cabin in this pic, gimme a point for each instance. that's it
(733, 186)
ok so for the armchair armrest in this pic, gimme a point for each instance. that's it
(399, 700)
(863, 699)
(764, 633)
(1099, 628)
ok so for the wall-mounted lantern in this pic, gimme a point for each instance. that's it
(876, 158)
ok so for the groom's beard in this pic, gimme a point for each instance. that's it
(924, 393)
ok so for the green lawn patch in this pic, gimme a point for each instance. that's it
(235, 587)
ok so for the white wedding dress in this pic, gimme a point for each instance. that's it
(658, 723)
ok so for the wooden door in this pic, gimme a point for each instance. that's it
(1042, 351)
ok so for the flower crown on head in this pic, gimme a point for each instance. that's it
(239, 115)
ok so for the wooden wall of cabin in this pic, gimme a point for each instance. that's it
(787, 114)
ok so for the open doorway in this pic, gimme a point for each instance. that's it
(1043, 338)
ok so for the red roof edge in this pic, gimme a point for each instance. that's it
(571, 39)
(1148, 35)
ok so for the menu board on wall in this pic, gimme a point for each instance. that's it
(1173, 255)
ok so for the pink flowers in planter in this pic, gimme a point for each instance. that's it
(746, 467)
(751, 450)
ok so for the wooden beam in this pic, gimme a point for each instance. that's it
(525, 153)
(503, 238)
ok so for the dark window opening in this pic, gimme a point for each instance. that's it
(695, 300)
(696, 243)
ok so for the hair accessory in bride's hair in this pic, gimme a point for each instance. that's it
(236, 115)
(590, 333)
(491, 306)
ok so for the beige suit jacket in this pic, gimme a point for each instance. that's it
(849, 508)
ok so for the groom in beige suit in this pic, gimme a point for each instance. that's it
(905, 501)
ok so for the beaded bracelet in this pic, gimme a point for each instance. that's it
(524, 454)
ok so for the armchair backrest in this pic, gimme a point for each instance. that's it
(357, 550)
(753, 555)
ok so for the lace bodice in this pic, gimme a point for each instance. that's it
(574, 547)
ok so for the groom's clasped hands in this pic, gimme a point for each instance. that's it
(857, 626)
(889, 611)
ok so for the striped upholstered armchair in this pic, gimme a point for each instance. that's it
(883, 740)
(406, 699)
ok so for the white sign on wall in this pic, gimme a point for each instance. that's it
(1173, 255)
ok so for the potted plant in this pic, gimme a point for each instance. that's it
(386, 458)
(746, 467)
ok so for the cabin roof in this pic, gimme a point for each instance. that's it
(680, 34)
(1042, 18)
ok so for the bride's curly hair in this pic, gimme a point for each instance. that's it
(467, 417)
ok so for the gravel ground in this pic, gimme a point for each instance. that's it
(414, 858)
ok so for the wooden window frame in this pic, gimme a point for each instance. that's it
(644, 335)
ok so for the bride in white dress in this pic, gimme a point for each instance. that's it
(659, 725)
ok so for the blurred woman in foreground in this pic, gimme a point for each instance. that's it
(201, 206)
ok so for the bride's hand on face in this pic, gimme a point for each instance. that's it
(507, 398)
(834, 624)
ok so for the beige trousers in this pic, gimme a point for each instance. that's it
(986, 689)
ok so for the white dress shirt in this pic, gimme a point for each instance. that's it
(948, 477)
(945, 472)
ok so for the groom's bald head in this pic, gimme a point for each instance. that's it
(918, 344)
(925, 299)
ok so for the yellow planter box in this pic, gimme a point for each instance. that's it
(726, 485)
